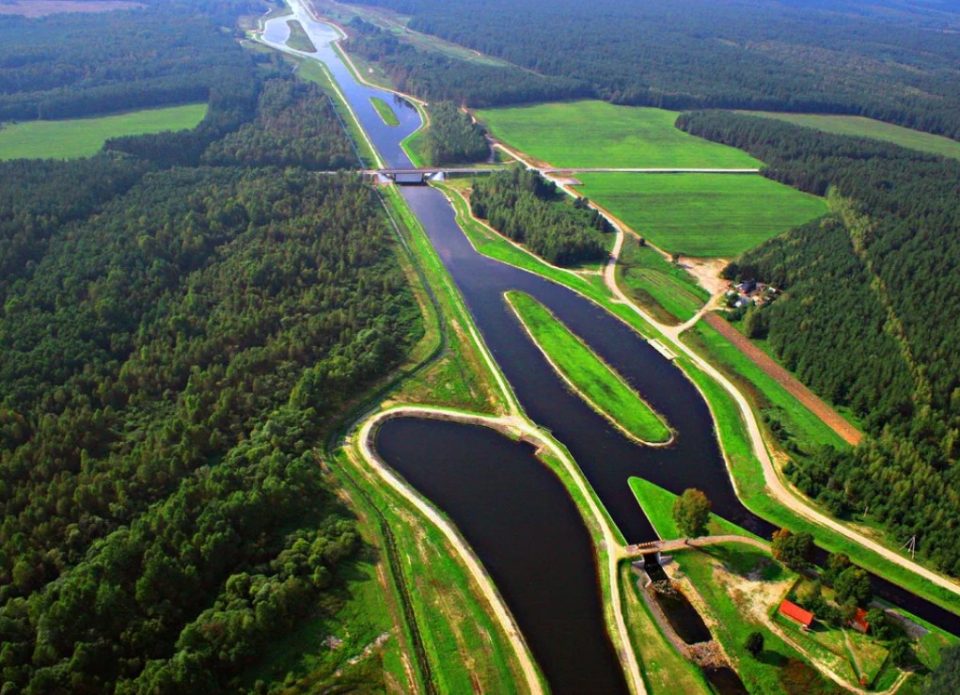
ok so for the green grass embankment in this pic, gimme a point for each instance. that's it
(794, 421)
(665, 290)
(385, 111)
(83, 137)
(591, 378)
(299, 40)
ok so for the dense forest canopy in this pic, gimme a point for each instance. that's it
(867, 319)
(72, 65)
(527, 208)
(182, 316)
(436, 76)
(453, 137)
(892, 61)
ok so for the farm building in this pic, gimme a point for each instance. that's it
(797, 614)
(859, 621)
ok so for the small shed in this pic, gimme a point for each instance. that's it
(859, 621)
(797, 614)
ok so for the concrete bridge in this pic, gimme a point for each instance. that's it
(422, 175)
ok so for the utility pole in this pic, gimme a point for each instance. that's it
(911, 545)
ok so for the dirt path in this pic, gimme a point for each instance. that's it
(812, 401)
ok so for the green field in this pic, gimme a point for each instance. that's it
(598, 134)
(83, 137)
(603, 388)
(299, 40)
(859, 126)
(386, 111)
(668, 292)
(702, 215)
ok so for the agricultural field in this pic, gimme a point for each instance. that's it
(858, 126)
(702, 215)
(83, 137)
(589, 134)
(596, 382)
(667, 291)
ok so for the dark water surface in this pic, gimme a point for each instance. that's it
(512, 510)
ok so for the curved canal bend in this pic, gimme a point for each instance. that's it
(423, 451)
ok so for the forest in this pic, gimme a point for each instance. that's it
(183, 317)
(439, 77)
(887, 60)
(527, 208)
(453, 137)
(61, 73)
(865, 292)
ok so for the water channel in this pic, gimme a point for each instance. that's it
(512, 511)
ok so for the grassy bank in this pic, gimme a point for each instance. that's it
(665, 671)
(596, 382)
(83, 137)
(859, 126)
(385, 111)
(459, 376)
(748, 476)
(792, 424)
(665, 290)
(702, 215)
(299, 40)
(462, 644)
(599, 134)
(316, 72)
(657, 505)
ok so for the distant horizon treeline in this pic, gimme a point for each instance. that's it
(893, 64)
(438, 77)
(867, 318)
(76, 65)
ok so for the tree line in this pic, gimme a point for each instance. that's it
(75, 65)
(453, 137)
(862, 319)
(527, 208)
(437, 76)
(681, 54)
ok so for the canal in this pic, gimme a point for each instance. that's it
(510, 508)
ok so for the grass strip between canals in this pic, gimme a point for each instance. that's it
(597, 383)
(299, 39)
(385, 111)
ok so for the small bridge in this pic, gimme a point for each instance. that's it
(638, 550)
(420, 176)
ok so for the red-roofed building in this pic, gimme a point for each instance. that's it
(859, 621)
(796, 614)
